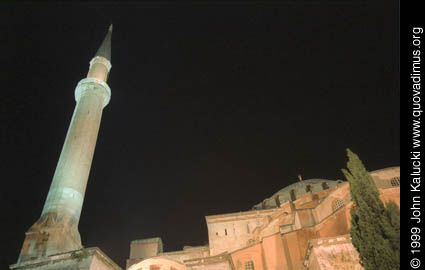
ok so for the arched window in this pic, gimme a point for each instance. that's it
(325, 185)
(308, 188)
(337, 204)
(249, 265)
(395, 182)
(277, 201)
(292, 193)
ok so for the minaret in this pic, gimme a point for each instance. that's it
(56, 231)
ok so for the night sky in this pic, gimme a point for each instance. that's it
(214, 108)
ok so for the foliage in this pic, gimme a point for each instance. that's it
(375, 228)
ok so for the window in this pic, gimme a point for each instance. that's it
(225, 231)
(308, 188)
(249, 265)
(154, 267)
(395, 182)
(325, 185)
(337, 204)
(292, 193)
(277, 201)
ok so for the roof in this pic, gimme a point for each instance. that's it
(105, 48)
(302, 185)
(299, 188)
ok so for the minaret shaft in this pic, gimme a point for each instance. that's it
(99, 68)
(69, 183)
(56, 231)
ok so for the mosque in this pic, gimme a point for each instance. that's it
(305, 225)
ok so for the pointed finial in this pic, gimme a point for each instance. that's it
(105, 47)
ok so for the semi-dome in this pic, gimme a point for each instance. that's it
(295, 190)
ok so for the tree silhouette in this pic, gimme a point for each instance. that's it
(375, 228)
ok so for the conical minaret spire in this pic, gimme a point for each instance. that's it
(100, 65)
(105, 48)
(56, 231)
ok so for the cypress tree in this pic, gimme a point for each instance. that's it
(375, 229)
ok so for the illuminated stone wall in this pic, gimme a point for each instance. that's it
(219, 262)
(310, 231)
(143, 249)
(230, 232)
(85, 259)
(336, 253)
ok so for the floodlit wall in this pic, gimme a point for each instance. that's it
(292, 248)
(332, 253)
(273, 247)
(278, 238)
(157, 264)
(252, 254)
(187, 253)
(84, 259)
(230, 232)
(219, 262)
(143, 249)
(390, 194)
(382, 178)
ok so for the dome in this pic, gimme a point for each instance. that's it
(302, 185)
(293, 191)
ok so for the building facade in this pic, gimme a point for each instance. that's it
(305, 225)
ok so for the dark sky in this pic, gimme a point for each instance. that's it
(214, 108)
